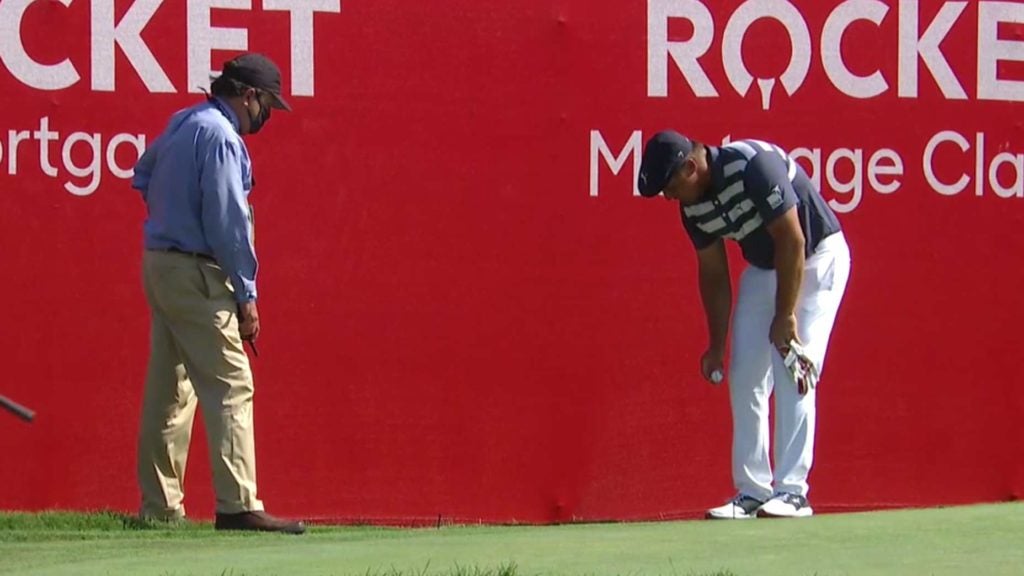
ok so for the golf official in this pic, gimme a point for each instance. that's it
(199, 275)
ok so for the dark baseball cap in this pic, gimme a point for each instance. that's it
(664, 152)
(257, 71)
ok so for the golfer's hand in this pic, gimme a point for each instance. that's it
(783, 330)
(248, 321)
(712, 360)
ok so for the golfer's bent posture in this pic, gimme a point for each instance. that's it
(789, 294)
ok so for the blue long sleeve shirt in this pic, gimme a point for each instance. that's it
(195, 179)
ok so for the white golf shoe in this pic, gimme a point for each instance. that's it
(742, 507)
(786, 505)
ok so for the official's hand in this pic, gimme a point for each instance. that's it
(248, 321)
(712, 361)
(783, 330)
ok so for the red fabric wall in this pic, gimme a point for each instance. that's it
(459, 319)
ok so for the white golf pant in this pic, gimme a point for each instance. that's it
(757, 369)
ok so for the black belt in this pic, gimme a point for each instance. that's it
(193, 254)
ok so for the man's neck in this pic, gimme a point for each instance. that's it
(704, 176)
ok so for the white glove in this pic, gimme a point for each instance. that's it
(801, 367)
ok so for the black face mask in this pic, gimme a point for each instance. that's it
(257, 123)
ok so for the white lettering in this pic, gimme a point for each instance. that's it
(598, 146)
(799, 38)
(203, 38)
(814, 157)
(979, 164)
(21, 65)
(917, 42)
(876, 169)
(1016, 189)
(927, 48)
(855, 184)
(991, 50)
(929, 171)
(832, 54)
(684, 54)
(13, 139)
(302, 37)
(44, 136)
(90, 170)
(127, 35)
(138, 140)
(80, 155)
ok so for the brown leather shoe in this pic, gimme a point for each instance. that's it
(257, 521)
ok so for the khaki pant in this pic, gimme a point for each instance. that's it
(196, 354)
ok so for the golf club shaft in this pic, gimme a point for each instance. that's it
(19, 410)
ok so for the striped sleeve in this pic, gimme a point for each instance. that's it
(700, 238)
(768, 185)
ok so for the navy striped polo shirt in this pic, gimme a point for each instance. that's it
(752, 184)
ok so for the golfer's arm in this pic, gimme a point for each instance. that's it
(715, 292)
(789, 261)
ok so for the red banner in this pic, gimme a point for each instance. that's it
(467, 312)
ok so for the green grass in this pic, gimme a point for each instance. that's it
(975, 540)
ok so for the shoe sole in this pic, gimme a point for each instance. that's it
(710, 516)
(802, 513)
